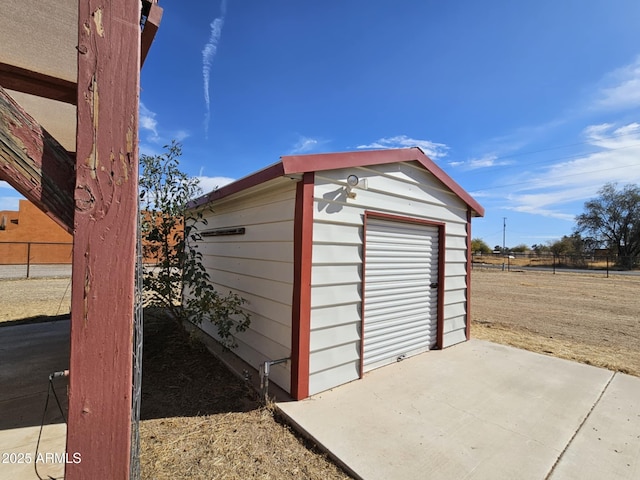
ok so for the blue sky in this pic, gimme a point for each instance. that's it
(530, 106)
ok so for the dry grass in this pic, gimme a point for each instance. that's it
(233, 445)
(587, 318)
(545, 261)
(34, 297)
(201, 422)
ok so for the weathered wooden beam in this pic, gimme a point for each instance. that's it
(38, 84)
(35, 164)
(104, 247)
(154, 16)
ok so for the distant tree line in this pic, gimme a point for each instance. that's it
(610, 223)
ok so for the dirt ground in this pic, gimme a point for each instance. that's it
(587, 318)
(201, 422)
(34, 297)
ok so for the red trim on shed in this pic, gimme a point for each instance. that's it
(402, 218)
(467, 330)
(441, 266)
(297, 164)
(269, 173)
(331, 161)
(301, 308)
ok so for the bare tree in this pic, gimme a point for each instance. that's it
(613, 218)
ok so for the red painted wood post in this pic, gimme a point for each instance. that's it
(106, 195)
(301, 308)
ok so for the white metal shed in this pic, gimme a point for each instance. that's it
(348, 262)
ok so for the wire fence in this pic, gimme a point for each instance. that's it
(35, 259)
(546, 262)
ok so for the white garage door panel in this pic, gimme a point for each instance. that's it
(400, 309)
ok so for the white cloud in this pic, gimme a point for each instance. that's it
(623, 90)
(10, 199)
(486, 161)
(181, 135)
(148, 120)
(305, 145)
(208, 54)
(431, 149)
(152, 143)
(559, 189)
(9, 203)
(208, 184)
(557, 186)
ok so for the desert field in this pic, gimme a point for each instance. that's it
(35, 297)
(586, 318)
(583, 317)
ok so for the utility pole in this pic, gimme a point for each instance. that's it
(504, 236)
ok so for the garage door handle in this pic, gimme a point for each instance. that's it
(434, 285)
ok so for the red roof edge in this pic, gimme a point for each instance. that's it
(329, 161)
(297, 164)
(261, 176)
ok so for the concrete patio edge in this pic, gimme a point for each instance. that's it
(477, 411)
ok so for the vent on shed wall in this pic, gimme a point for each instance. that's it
(401, 294)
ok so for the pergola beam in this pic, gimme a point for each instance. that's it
(38, 84)
(34, 83)
(153, 15)
(35, 164)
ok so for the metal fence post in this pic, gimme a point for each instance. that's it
(28, 258)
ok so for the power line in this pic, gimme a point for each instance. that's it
(552, 160)
(556, 176)
(558, 147)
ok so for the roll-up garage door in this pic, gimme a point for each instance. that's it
(401, 294)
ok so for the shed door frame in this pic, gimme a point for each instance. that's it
(441, 264)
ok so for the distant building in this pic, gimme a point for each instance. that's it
(50, 243)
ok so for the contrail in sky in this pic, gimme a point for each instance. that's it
(208, 54)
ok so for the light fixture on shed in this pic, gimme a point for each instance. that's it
(352, 181)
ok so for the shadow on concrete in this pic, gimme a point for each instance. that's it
(30, 350)
(180, 376)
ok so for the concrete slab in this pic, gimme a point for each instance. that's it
(28, 354)
(474, 411)
(608, 444)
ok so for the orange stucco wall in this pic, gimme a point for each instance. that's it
(29, 224)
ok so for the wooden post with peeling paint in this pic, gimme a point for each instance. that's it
(34, 163)
(106, 195)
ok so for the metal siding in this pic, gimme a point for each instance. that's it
(453, 337)
(337, 255)
(337, 294)
(400, 307)
(335, 315)
(258, 266)
(337, 375)
(335, 303)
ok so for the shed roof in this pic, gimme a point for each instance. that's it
(298, 164)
